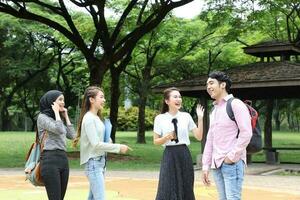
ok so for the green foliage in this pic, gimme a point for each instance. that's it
(127, 119)
(29, 66)
(26, 47)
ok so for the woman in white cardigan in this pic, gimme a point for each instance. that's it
(92, 145)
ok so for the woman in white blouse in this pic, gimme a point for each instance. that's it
(171, 129)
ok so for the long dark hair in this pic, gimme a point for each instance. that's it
(91, 91)
(165, 107)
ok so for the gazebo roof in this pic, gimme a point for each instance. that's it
(272, 48)
(252, 81)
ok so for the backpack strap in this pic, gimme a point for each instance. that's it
(229, 110)
(42, 141)
(37, 140)
(230, 113)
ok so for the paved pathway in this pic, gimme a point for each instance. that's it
(257, 176)
(259, 179)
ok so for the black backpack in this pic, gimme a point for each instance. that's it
(255, 144)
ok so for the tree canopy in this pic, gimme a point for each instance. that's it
(128, 47)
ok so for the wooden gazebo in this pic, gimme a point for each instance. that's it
(274, 77)
(262, 80)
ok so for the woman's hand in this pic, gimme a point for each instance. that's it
(55, 107)
(64, 112)
(159, 140)
(198, 132)
(200, 111)
(124, 148)
(170, 136)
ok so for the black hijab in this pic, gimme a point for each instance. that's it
(46, 102)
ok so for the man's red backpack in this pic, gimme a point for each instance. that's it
(255, 144)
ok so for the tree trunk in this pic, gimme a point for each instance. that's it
(143, 92)
(28, 110)
(114, 102)
(6, 121)
(276, 116)
(297, 122)
(141, 119)
(33, 126)
(115, 73)
(97, 71)
(288, 115)
(290, 118)
(294, 122)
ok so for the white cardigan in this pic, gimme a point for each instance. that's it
(92, 137)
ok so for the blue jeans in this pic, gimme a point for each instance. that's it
(94, 170)
(229, 180)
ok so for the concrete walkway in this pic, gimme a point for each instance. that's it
(258, 178)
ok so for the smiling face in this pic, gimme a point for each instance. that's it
(61, 102)
(174, 101)
(98, 101)
(216, 89)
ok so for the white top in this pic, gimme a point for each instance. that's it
(92, 137)
(163, 125)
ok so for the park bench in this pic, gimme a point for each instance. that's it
(272, 153)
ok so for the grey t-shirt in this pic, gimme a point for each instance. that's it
(57, 132)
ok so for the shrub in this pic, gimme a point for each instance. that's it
(128, 119)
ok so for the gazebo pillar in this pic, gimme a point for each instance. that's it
(271, 156)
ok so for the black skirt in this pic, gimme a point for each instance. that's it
(176, 178)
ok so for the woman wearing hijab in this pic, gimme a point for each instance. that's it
(54, 121)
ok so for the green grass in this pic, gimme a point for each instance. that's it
(283, 139)
(14, 146)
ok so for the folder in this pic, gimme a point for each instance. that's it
(107, 131)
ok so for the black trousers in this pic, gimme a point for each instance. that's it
(55, 173)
